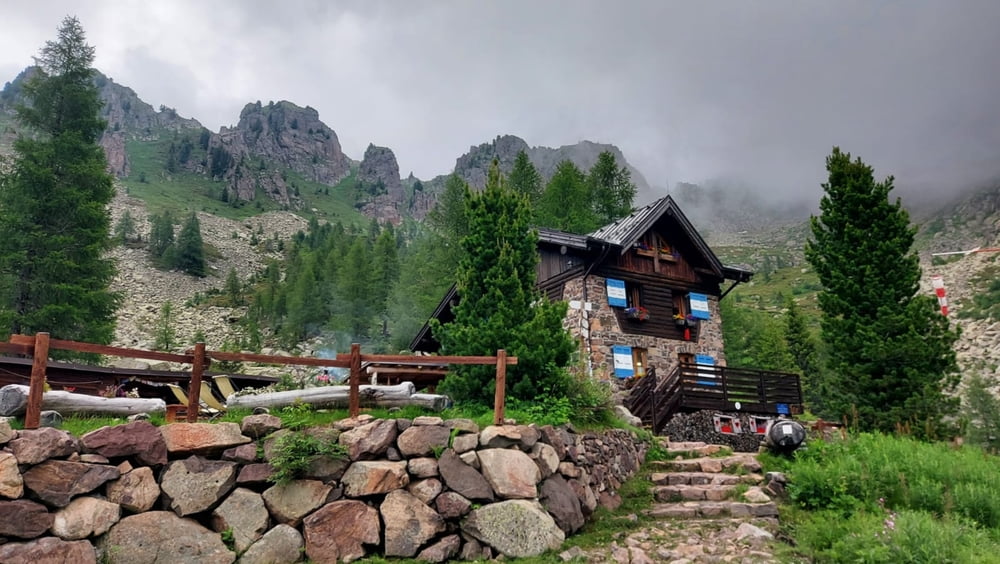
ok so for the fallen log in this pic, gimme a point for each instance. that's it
(338, 396)
(14, 401)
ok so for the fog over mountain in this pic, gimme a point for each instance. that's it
(754, 94)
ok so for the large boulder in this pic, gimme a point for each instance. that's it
(24, 519)
(511, 473)
(196, 484)
(56, 482)
(561, 502)
(281, 545)
(290, 502)
(516, 527)
(48, 550)
(338, 531)
(422, 440)
(84, 517)
(260, 425)
(371, 440)
(140, 439)
(409, 523)
(37, 445)
(243, 513)
(161, 536)
(135, 491)
(202, 438)
(462, 478)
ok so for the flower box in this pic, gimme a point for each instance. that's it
(638, 313)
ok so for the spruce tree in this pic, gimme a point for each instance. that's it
(802, 347)
(891, 353)
(524, 179)
(611, 189)
(566, 203)
(448, 219)
(190, 249)
(161, 234)
(385, 272)
(54, 223)
(499, 306)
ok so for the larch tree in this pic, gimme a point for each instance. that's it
(499, 306)
(891, 359)
(566, 203)
(611, 188)
(54, 222)
(524, 179)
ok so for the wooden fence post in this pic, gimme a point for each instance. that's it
(354, 399)
(39, 359)
(499, 397)
(194, 386)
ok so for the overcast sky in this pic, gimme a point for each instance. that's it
(750, 91)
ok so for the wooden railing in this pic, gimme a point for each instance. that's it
(692, 387)
(38, 347)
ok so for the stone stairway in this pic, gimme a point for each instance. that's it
(709, 485)
(717, 503)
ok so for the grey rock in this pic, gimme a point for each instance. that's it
(517, 528)
(136, 491)
(441, 551)
(340, 530)
(451, 505)
(558, 498)
(511, 473)
(49, 418)
(161, 536)
(425, 490)
(243, 513)
(374, 477)
(422, 440)
(257, 426)
(281, 545)
(371, 440)
(84, 517)
(290, 502)
(195, 484)
(422, 467)
(409, 523)
(462, 478)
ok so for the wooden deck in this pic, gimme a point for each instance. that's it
(694, 387)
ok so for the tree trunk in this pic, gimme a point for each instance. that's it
(14, 401)
(337, 396)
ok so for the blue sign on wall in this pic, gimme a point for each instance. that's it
(616, 293)
(699, 305)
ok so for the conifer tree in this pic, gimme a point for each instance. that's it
(385, 271)
(190, 253)
(566, 203)
(54, 223)
(524, 179)
(611, 189)
(161, 234)
(803, 350)
(448, 219)
(499, 306)
(891, 353)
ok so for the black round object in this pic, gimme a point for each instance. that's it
(785, 435)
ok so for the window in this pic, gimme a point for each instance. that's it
(680, 304)
(633, 294)
(639, 361)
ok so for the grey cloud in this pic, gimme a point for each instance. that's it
(691, 91)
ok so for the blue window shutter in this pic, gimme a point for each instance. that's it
(699, 305)
(623, 361)
(616, 293)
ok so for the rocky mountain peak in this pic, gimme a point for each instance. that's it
(379, 186)
(474, 165)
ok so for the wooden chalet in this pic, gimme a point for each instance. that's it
(643, 296)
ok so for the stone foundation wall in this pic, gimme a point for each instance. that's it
(201, 492)
(600, 330)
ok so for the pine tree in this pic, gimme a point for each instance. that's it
(125, 230)
(566, 203)
(234, 289)
(448, 219)
(891, 353)
(499, 306)
(524, 179)
(385, 272)
(611, 189)
(190, 249)
(54, 223)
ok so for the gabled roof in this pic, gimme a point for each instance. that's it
(555, 237)
(626, 231)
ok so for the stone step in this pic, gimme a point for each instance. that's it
(730, 464)
(692, 449)
(708, 509)
(702, 478)
(708, 492)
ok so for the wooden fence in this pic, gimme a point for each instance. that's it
(38, 347)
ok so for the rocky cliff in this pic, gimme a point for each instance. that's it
(473, 165)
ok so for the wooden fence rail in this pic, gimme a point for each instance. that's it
(38, 347)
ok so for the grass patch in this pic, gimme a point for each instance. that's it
(876, 498)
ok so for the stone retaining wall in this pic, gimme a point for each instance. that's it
(201, 492)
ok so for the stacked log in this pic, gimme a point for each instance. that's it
(338, 396)
(14, 402)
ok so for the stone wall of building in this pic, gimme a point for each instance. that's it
(598, 330)
(202, 492)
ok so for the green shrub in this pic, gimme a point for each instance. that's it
(294, 452)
